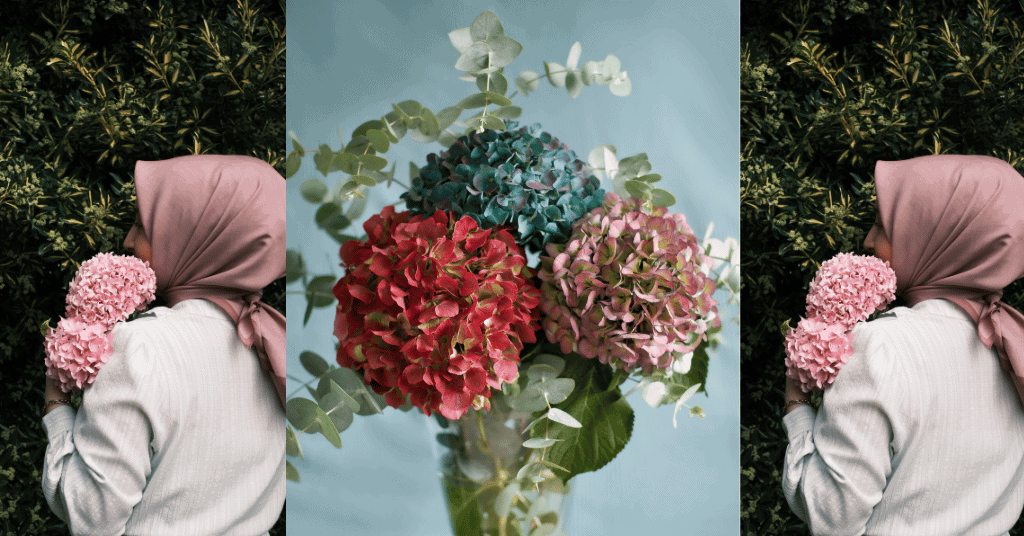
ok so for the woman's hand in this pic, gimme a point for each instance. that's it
(794, 393)
(54, 393)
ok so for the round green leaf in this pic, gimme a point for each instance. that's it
(302, 414)
(372, 162)
(362, 129)
(329, 216)
(313, 363)
(557, 389)
(539, 443)
(321, 291)
(313, 190)
(493, 123)
(542, 372)
(621, 86)
(428, 123)
(497, 99)
(410, 107)
(552, 361)
(291, 166)
(503, 50)
(295, 267)
(504, 501)
(446, 117)
(461, 39)
(573, 84)
(527, 82)
(661, 198)
(562, 417)
(292, 447)
(379, 141)
(486, 26)
(637, 189)
(345, 162)
(478, 100)
(556, 73)
(323, 158)
(508, 112)
(291, 473)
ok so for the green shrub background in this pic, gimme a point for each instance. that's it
(87, 88)
(827, 89)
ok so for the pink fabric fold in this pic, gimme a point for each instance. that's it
(956, 224)
(217, 228)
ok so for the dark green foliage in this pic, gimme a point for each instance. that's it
(86, 89)
(827, 89)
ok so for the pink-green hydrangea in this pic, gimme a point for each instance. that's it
(75, 352)
(630, 288)
(848, 288)
(815, 352)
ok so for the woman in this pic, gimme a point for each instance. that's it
(923, 430)
(182, 431)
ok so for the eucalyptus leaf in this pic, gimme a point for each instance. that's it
(650, 178)
(362, 129)
(474, 59)
(662, 198)
(446, 117)
(291, 473)
(378, 140)
(321, 290)
(590, 73)
(557, 390)
(313, 190)
(477, 100)
(292, 447)
(414, 171)
(552, 361)
(395, 126)
(556, 74)
(541, 371)
(493, 123)
(503, 50)
(337, 397)
(295, 267)
(634, 166)
(329, 216)
(503, 502)
(302, 414)
(429, 125)
(611, 67)
(446, 139)
(411, 107)
(345, 162)
(494, 82)
(497, 99)
(508, 112)
(486, 26)
(292, 165)
(539, 443)
(527, 82)
(461, 39)
(637, 189)
(359, 145)
(529, 400)
(604, 160)
(364, 180)
(313, 363)
(573, 84)
(372, 162)
(323, 158)
(562, 417)
(574, 56)
(621, 86)
(296, 146)
(356, 209)
(327, 427)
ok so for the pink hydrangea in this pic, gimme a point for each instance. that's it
(108, 288)
(631, 288)
(75, 351)
(848, 288)
(815, 352)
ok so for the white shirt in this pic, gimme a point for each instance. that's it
(922, 433)
(181, 433)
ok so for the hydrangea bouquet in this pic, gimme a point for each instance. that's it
(107, 289)
(846, 289)
(512, 297)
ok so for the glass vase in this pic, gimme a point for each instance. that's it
(487, 489)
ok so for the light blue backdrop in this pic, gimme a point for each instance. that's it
(348, 61)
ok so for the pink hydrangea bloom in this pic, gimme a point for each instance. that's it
(815, 352)
(75, 351)
(630, 288)
(848, 288)
(109, 288)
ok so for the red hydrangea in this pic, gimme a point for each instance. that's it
(434, 309)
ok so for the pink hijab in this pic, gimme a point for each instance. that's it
(217, 228)
(956, 224)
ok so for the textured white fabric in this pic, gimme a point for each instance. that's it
(922, 433)
(181, 433)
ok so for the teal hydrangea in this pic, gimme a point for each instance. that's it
(520, 177)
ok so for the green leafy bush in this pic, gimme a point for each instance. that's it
(827, 89)
(87, 89)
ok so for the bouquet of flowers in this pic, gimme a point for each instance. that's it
(106, 290)
(846, 289)
(441, 308)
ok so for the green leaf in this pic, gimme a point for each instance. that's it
(313, 190)
(358, 206)
(527, 82)
(378, 139)
(345, 162)
(446, 117)
(462, 506)
(394, 126)
(508, 112)
(292, 447)
(562, 417)
(574, 56)
(590, 73)
(461, 39)
(551, 360)
(295, 267)
(541, 371)
(323, 158)
(573, 84)
(411, 107)
(698, 372)
(364, 180)
(556, 74)
(610, 67)
(557, 390)
(660, 198)
(497, 99)
(493, 123)
(476, 58)
(620, 87)
(477, 100)
(607, 419)
(650, 178)
(494, 82)
(313, 363)
(503, 50)
(446, 139)
(291, 165)
(372, 124)
(429, 125)
(296, 146)
(503, 502)
(529, 400)
(414, 171)
(634, 166)
(291, 473)
(329, 216)
(637, 189)
(370, 402)
(359, 145)
(302, 414)
(486, 26)
(319, 293)
(539, 443)
(372, 162)
(337, 397)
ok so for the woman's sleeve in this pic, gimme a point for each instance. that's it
(838, 460)
(98, 460)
